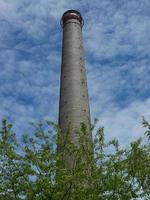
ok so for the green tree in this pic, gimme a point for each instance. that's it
(35, 170)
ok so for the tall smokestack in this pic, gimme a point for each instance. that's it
(74, 103)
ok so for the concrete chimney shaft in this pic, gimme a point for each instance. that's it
(74, 103)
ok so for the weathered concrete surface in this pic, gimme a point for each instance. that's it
(74, 103)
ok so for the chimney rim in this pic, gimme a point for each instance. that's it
(72, 14)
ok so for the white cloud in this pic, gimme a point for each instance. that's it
(113, 30)
(125, 124)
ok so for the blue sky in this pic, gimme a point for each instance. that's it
(117, 52)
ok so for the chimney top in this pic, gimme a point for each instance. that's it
(71, 14)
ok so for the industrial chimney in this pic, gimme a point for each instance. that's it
(74, 103)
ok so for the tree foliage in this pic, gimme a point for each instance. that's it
(35, 170)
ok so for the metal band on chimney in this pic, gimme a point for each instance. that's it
(71, 14)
